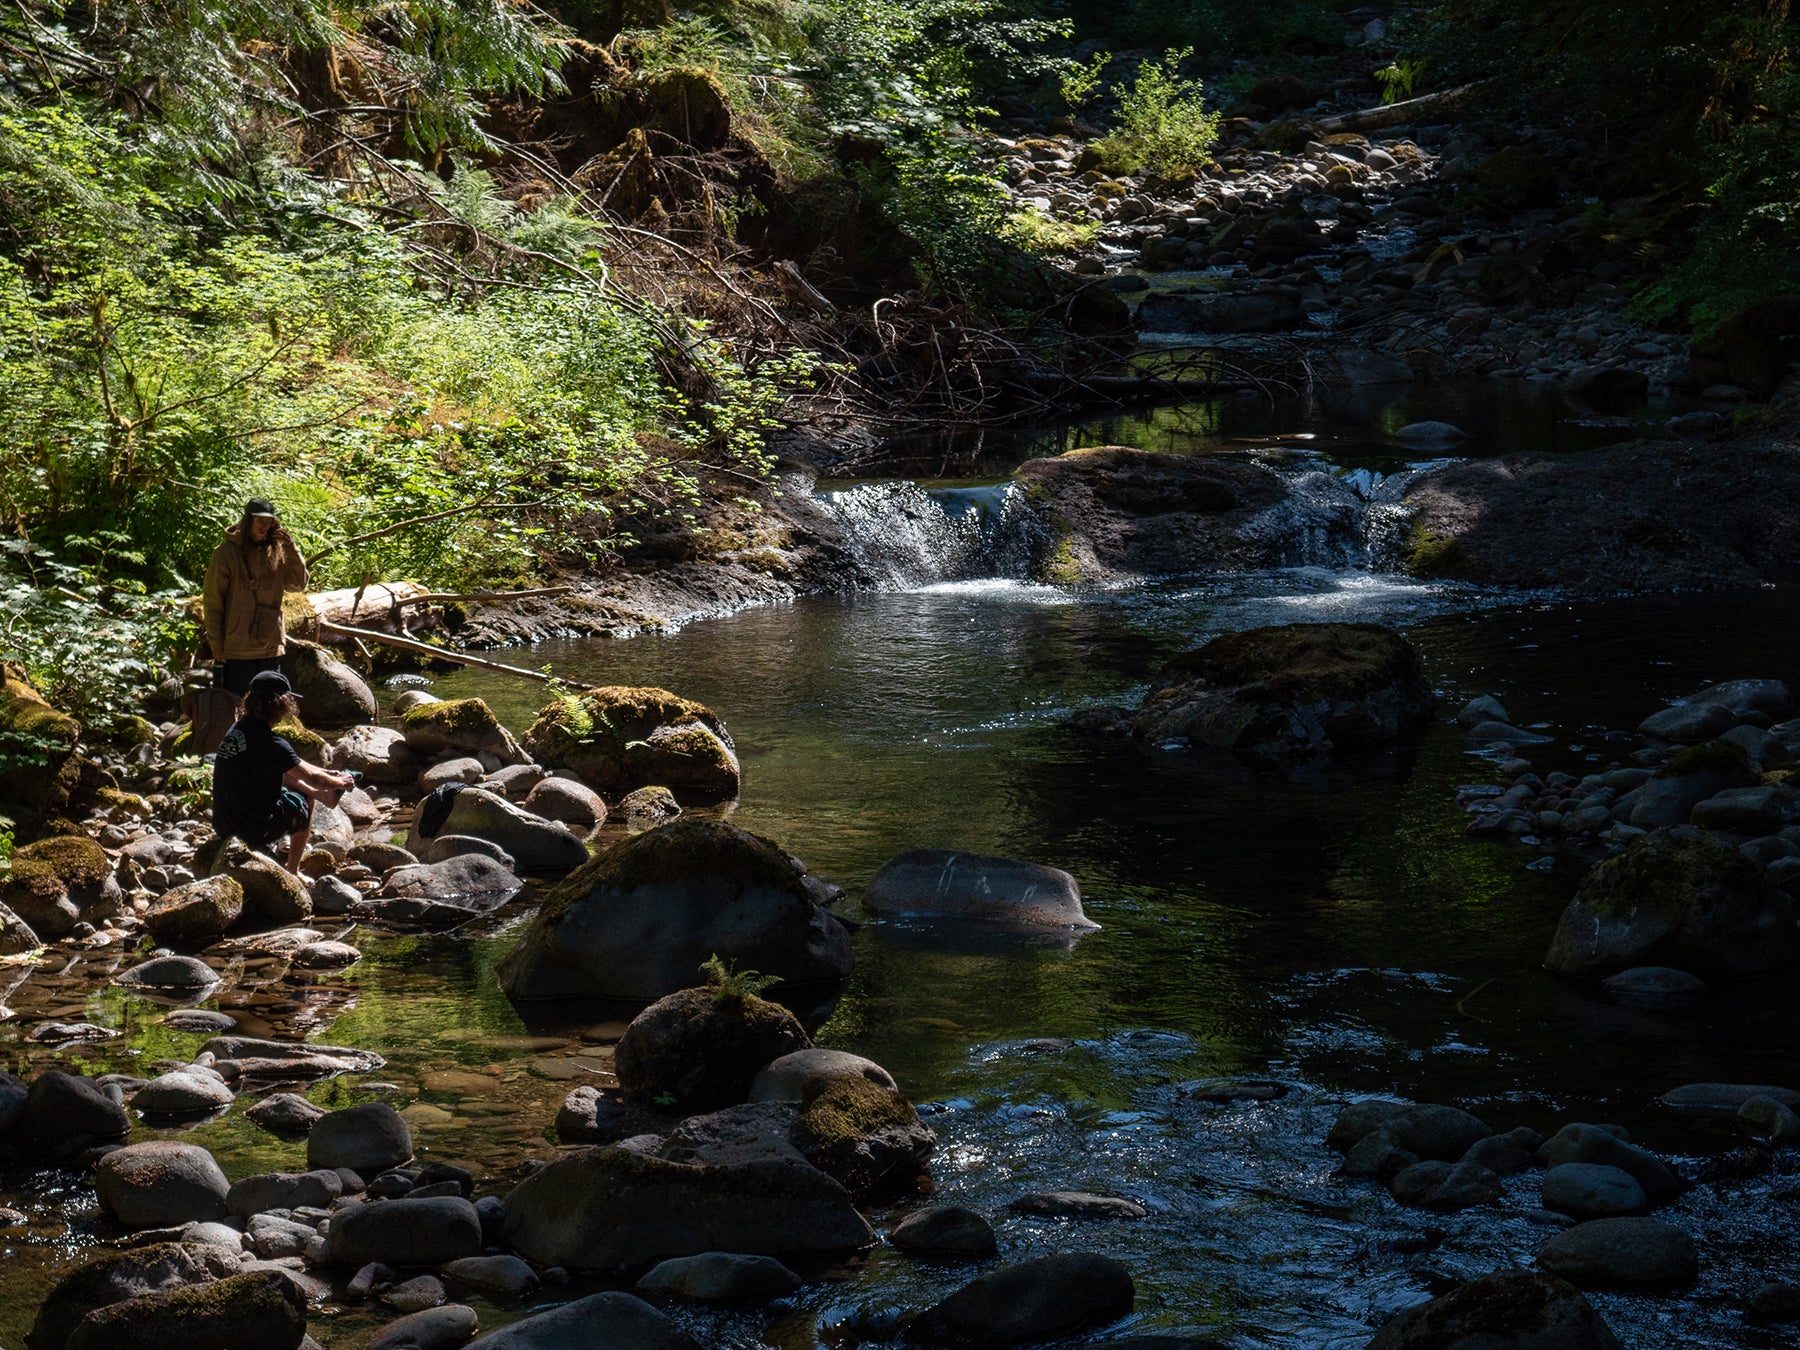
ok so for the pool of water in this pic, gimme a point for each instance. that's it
(1336, 932)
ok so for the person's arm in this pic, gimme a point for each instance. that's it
(319, 784)
(294, 576)
(214, 597)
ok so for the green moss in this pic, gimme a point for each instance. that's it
(697, 743)
(1710, 757)
(299, 618)
(1661, 873)
(181, 745)
(128, 802)
(1442, 556)
(844, 1110)
(1060, 567)
(76, 862)
(679, 851)
(459, 715)
(29, 884)
(1303, 663)
(309, 745)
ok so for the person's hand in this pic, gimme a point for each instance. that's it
(282, 536)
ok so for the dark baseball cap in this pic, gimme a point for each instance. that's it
(260, 506)
(271, 683)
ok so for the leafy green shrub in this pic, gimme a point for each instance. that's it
(1079, 84)
(1163, 122)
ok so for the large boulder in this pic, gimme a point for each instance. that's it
(536, 844)
(379, 754)
(619, 738)
(1695, 774)
(57, 883)
(65, 1113)
(1676, 898)
(16, 936)
(1622, 1252)
(611, 1209)
(464, 725)
(335, 696)
(39, 766)
(1294, 689)
(427, 1232)
(1052, 1296)
(113, 1277)
(865, 1135)
(259, 1310)
(637, 921)
(701, 1048)
(367, 1139)
(196, 910)
(1508, 1310)
(273, 896)
(160, 1184)
(946, 883)
(629, 1322)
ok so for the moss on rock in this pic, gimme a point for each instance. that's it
(1440, 556)
(698, 1051)
(844, 1110)
(675, 853)
(620, 738)
(38, 765)
(1709, 757)
(309, 745)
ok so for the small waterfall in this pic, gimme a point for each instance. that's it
(905, 536)
(1354, 518)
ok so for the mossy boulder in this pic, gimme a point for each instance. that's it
(197, 910)
(621, 738)
(273, 896)
(637, 921)
(1509, 1310)
(308, 744)
(862, 1133)
(1679, 898)
(690, 104)
(1294, 689)
(39, 766)
(260, 1310)
(611, 1209)
(1693, 775)
(57, 883)
(464, 725)
(333, 695)
(699, 1049)
(114, 1277)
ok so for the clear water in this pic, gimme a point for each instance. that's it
(1339, 933)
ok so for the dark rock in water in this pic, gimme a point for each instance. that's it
(1377, 1154)
(1363, 1117)
(1428, 434)
(367, 1139)
(16, 936)
(638, 921)
(1769, 1119)
(182, 973)
(504, 1276)
(1592, 1191)
(572, 803)
(1722, 1101)
(1697, 773)
(1441, 1132)
(445, 1328)
(1505, 1154)
(261, 1310)
(649, 806)
(1445, 1186)
(534, 843)
(1629, 1252)
(1297, 689)
(1596, 1144)
(192, 1090)
(285, 1113)
(610, 1209)
(1509, 1310)
(13, 1095)
(1607, 384)
(1658, 987)
(1680, 898)
(631, 738)
(946, 883)
(1077, 1205)
(114, 1277)
(719, 1277)
(405, 1232)
(198, 909)
(1775, 1303)
(284, 1190)
(444, 847)
(1689, 723)
(1485, 708)
(1772, 698)
(862, 1134)
(786, 1079)
(1748, 810)
(1034, 1300)
(160, 1184)
(590, 1116)
(754, 1132)
(950, 1231)
(630, 1323)
(700, 1049)
(65, 1113)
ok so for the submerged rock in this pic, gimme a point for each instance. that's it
(1509, 1310)
(638, 920)
(719, 1277)
(445, 1328)
(1049, 1297)
(631, 1324)
(619, 739)
(1297, 689)
(1658, 987)
(367, 1139)
(950, 884)
(1634, 1252)
(948, 1231)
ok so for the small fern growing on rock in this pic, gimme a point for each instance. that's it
(733, 986)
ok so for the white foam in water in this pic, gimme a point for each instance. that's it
(907, 538)
(1002, 588)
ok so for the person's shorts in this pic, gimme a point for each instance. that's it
(291, 815)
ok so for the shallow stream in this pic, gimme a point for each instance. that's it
(1337, 934)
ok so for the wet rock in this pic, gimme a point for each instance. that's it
(1680, 898)
(568, 801)
(65, 1113)
(254, 1058)
(1772, 698)
(1774, 1303)
(1580, 1143)
(1077, 1205)
(950, 884)
(502, 1276)
(786, 1079)
(466, 724)
(1722, 1101)
(1298, 689)
(1363, 1117)
(946, 1231)
(415, 1295)
(199, 909)
(638, 920)
(379, 754)
(285, 1114)
(1632, 1252)
(1034, 1300)
(326, 956)
(1657, 987)
(160, 1184)
(284, 1190)
(1445, 1186)
(1750, 810)
(1441, 1132)
(864, 1135)
(590, 1116)
(1430, 435)
(1592, 1191)
(701, 1049)
(113, 1277)
(635, 737)
(444, 1328)
(719, 1277)
(611, 1209)
(1486, 708)
(444, 847)
(1505, 1154)
(536, 844)
(1377, 1154)
(631, 1324)
(262, 1310)
(648, 806)
(367, 1139)
(1770, 1119)
(273, 896)
(405, 1232)
(1509, 1310)
(466, 877)
(175, 973)
(1689, 723)
(755, 1132)
(334, 694)
(368, 1279)
(16, 936)
(194, 1090)
(331, 895)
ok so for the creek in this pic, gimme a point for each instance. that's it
(1332, 935)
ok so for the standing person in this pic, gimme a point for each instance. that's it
(249, 573)
(262, 789)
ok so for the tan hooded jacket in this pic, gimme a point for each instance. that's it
(242, 601)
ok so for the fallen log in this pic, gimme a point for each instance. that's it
(376, 605)
(439, 654)
(480, 597)
(1403, 113)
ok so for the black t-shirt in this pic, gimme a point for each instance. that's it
(247, 780)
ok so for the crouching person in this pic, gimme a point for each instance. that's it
(262, 790)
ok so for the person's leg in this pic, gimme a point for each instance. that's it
(298, 809)
(237, 675)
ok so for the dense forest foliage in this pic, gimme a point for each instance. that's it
(468, 286)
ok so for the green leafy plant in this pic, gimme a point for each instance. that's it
(1079, 84)
(1163, 122)
(1398, 79)
(733, 986)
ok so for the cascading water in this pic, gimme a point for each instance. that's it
(905, 536)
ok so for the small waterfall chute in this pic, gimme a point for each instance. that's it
(905, 537)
